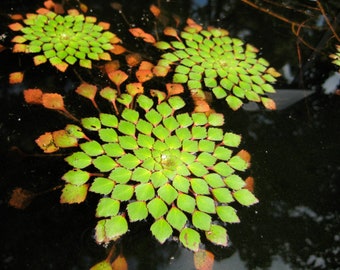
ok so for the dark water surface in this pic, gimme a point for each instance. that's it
(295, 163)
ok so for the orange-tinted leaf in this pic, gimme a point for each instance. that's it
(133, 59)
(193, 24)
(87, 90)
(174, 88)
(149, 38)
(73, 12)
(33, 96)
(159, 94)
(244, 155)
(49, 4)
(160, 71)
(118, 49)
(119, 263)
(272, 71)
(145, 65)
(144, 75)
(118, 77)
(83, 7)
(249, 184)
(105, 25)
(61, 66)
(2, 48)
(115, 40)
(53, 101)
(21, 198)
(137, 32)
(111, 66)
(59, 9)
(203, 260)
(19, 48)
(46, 143)
(39, 59)
(268, 103)
(155, 10)
(18, 39)
(172, 32)
(16, 17)
(16, 77)
(15, 26)
(42, 10)
(134, 88)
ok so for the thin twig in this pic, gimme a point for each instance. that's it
(327, 20)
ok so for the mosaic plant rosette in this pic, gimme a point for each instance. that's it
(63, 40)
(177, 168)
(212, 60)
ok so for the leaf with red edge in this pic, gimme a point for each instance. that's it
(42, 11)
(193, 24)
(117, 77)
(105, 25)
(137, 32)
(145, 65)
(53, 101)
(203, 260)
(39, 59)
(46, 143)
(268, 103)
(33, 96)
(111, 66)
(61, 66)
(174, 89)
(19, 48)
(63, 139)
(244, 155)
(73, 193)
(16, 77)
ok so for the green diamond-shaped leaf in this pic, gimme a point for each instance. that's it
(128, 142)
(199, 186)
(222, 195)
(217, 235)
(108, 135)
(107, 207)
(231, 139)
(222, 153)
(129, 161)
(206, 159)
(91, 123)
(161, 230)
(227, 214)
(145, 102)
(144, 192)
(120, 175)
(186, 203)
(167, 193)
(198, 169)
(184, 120)
(215, 134)
(76, 177)
(214, 180)
(78, 160)
(153, 117)
(190, 239)
(176, 102)
(238, 163)
(223, 169)
(201, 220)
(176, 218)
(127, 128)
(122, 192)
(205, 204)
(235, 182)
(73, 193)
(102, 185)
(115, 227)
(108, 120)
(113, 149)
(137, 211)
(92, 148)
(141, 175)
(245, 197)
(181, 183)
(144, 127)
(104, 163)
(157, 208)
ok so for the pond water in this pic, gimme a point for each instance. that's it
(295, 160)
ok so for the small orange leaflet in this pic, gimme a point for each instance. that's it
(33, 96)
(155, 10)
(46, 143)
(16, 77)
(139, 33)
(204, 260)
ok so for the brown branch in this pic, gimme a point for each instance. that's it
(327, 20)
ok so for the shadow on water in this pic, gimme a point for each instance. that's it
(295, 163)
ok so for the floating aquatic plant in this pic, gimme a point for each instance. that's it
(177, 168)
(211, 59)
(336, 56)
(63, 40)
